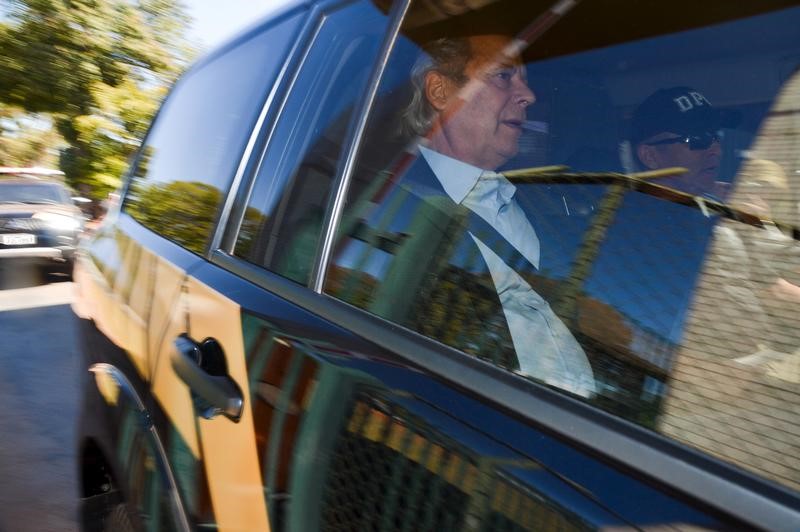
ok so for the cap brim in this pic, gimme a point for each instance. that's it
(708, 119)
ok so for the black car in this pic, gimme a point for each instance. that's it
(286, 329)
(38, 221)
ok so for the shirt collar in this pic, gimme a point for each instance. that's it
(505, 189)
(457, 177)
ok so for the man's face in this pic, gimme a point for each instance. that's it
(480, 122)
(702, 165)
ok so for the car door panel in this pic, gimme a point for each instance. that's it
(132, 278)
(118, 273)
(220, 451)
(343, 431)
(228, 447)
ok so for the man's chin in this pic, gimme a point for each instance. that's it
(506, 155)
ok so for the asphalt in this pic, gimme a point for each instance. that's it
(38, 401)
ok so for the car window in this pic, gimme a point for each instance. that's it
(613, 216)
(196, 142)
(283, 220)
(31, 193)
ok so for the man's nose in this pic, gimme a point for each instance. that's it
(525, 95)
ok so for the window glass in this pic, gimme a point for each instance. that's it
(12, 192)
(282, 223)
(614, 216)
(196, 142)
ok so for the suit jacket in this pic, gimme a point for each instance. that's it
(433, 278)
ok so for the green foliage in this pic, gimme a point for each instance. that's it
(181, 211)
(102, 143)
(99, 68)
(27, 139)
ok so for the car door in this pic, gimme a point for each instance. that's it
(133, 272)
(307, 401)
(217, 452)
(656, 441)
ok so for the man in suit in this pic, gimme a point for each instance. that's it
(469, 248)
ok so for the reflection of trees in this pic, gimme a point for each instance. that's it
(181, 211)
(353, 286)
(459, 308)
(462, 311)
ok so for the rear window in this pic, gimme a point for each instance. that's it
(602, 199)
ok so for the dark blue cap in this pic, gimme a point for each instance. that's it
(680, 110)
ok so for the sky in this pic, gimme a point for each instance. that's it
(217, 20)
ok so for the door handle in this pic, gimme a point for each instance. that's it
(203, 368)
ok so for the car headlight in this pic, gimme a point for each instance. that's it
(58, 221)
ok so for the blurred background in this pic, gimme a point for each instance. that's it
(81, 79)
(79, 83)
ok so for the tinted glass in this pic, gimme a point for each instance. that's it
(283, 220)
(613, 216)
(25, 193)
(196, 142)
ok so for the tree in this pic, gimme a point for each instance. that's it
(99, 68)
(101, 143)
(27, 139)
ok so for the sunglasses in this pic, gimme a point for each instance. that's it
(703, 141)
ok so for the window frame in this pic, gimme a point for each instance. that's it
(291, 10)
(264, 136)
(271, 139)
(685, 472)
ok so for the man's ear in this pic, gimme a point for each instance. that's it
(437, 89)
(648, 156)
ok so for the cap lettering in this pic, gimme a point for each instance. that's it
(699, 99)
(684, 103)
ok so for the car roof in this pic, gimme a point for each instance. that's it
(29, 181)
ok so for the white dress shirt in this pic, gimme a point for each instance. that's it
(545, 348)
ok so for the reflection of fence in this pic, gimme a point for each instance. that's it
(338, 452)
(421, 273)
(700, 407)
(393, 471)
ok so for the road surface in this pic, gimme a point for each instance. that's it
(38, 401)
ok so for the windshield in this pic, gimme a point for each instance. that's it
(31, 193)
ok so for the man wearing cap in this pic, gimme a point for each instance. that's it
(678, 127)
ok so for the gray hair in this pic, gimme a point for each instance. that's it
(447, 55)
